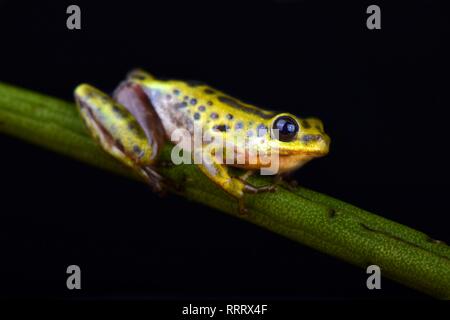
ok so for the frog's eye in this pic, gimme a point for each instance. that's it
(287, 128)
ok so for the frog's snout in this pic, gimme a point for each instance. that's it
(318, 142)
(324, 143)
(312, 137)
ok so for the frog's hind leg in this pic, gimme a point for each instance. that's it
(131, 95)
(119, 132)
(134, 99)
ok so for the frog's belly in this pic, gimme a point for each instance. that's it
(285, 163)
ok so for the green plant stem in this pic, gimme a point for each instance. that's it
(308, 217)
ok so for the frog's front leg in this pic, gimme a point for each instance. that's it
(219, 174)
(118, 126)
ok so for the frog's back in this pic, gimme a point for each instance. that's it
(183, 104)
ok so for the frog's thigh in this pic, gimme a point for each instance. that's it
(131, 95)
(114, 126)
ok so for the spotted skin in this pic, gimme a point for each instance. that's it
(187, 105)
(221, 109)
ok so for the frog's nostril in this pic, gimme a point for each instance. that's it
(311, 137)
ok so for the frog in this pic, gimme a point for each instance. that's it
(142, 114)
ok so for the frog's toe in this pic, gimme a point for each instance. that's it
(156, 182)
(160, 184)
(287, 182)
(248, 188)
(165, 164)
(243, 211)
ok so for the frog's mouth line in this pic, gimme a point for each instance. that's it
(310, 153)
(285, 163)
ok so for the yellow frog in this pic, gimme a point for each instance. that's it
(144, 112)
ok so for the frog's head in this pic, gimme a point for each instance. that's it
(297, 140)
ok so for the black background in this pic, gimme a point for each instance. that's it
(382, 95)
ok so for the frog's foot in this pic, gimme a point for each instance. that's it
(155, 181)
(248, 188)
(243, 211)
(165, 164)
(286, 181)
(160, 184)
